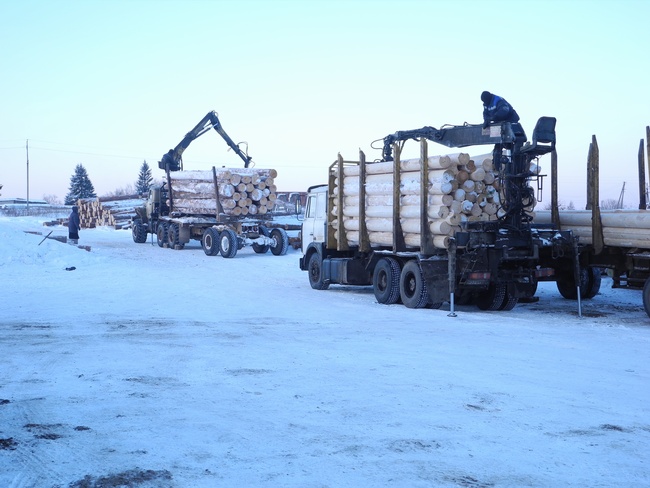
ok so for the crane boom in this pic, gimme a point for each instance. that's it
(173, 159)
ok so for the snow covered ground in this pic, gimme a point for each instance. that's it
(151, 367)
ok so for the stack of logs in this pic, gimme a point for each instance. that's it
(117, 212)
(241, 192)
(460, 189)
(621, 228)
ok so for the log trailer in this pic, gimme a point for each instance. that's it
(225, 209)
(490, 263)
(618, 240)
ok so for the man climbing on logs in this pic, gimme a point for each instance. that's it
(497, 109)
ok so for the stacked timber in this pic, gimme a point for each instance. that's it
(621, 228)
(236, 192)
(459, 189)
(117, 212)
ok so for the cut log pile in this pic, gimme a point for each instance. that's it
(117, 212)
(241, 191)
(460, 189)
(621, 228)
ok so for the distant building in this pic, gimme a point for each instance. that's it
(21, 201)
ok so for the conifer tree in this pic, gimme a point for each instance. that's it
(80, 186)
(144, 179)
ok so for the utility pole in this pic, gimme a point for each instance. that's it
(27, 152)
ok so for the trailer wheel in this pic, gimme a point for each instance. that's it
(593, 286)
(262, 248)
(210, 241)
(161, 234)
(173, 237)
(315, 272)
(385, 281)
(566, 285)
(646, 296)
(228, 243)
(281, 242)
(139, 232)
(493, 298)
(412, 288)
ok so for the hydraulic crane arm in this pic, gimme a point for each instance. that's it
(457, 136)
(173, 160)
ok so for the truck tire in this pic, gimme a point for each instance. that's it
(566, 284)
(210, 241)
(509, 302)
(315, 272)
(139, 232)
(493, 298)
(228, 243)
(262, 248)
(161, 234)
(646, 296)
(385, 281)
(280, 245)
(594, 282)
(412, 288)
(173, 239)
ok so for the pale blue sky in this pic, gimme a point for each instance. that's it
(109, 84)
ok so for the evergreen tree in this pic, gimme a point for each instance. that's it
(80, 186)
(144, 179)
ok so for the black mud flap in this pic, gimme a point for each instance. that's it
(436, 276)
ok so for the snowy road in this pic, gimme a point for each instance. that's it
(170, 368)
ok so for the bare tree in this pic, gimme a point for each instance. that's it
(52, 199)
(609, 204)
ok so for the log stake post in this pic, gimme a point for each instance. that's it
(642, 201)
(332, 241)
(647, 141)
(590, 177)
(598, 241)
(342, 244)
(398, 235)
(426, 240)
(219, 208)
(555, 211)
(364, 239)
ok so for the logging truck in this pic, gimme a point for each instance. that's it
(435, 229)
(226, 208)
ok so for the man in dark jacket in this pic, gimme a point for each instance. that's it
(73, 226)
(496, 109)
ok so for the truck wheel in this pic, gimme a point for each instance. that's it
(228, 243)
(593, 285)
(493, 298)
(566, 285)
(315, 272)
(173, 237)
(139, 232)
(210, 241)
(646, 296)
(281, 242)
(262, 248)
(509, 302)
(161, 234)
(385, 281)
(412, 288)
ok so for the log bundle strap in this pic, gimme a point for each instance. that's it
(236, 192)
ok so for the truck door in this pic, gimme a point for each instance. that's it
(314, 225)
